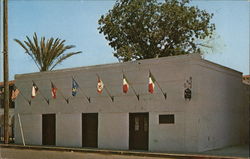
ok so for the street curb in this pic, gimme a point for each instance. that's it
(119, 152)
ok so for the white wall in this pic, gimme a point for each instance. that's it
(167, 137)
(113, 130)
(32, 129)
(69, 130)
(220, 105)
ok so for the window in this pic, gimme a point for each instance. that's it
(166, 119)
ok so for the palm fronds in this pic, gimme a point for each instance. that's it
(46, 53)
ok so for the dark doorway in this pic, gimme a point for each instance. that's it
(49, 129)
(138, 131)
(90, 130)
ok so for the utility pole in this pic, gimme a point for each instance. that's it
(6, 71)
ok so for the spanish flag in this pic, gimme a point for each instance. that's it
(53, 90)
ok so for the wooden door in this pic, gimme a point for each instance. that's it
(90, 130)
(138, 131)
(49, 129)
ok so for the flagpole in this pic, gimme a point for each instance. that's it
(112, 97)
(24, 96)
(164, 93)
(66, 99)
(6, 71)
(136, 94)
(47, 100)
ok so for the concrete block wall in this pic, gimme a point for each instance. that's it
(167, 137)
(32, 129)
(113, 131)
(220, 106)
(69, 130)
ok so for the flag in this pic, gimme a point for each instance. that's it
(53, 90)
(74, 87)
(125, 85)
(14, 93)
(100, 85)
(151, 84)
(34, 90)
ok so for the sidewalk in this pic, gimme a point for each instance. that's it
(237, 152)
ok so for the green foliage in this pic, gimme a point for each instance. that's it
(46, 53)
(142, 29)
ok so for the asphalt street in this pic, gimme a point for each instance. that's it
(40, 152)
(8, 153)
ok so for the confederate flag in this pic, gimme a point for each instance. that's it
(125, 85)
(53, 90)
(151, 84)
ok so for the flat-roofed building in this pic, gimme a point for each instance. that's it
(195, 105)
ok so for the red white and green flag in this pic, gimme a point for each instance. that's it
(53, 90)
(125, 85)
(100, 85)
(34, 90)
(151, 83)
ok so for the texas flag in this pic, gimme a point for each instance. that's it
(151, 84)
(53, 90)
(34, 90)
(100, 86)
(125, 85)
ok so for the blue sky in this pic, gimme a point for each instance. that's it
(76, 22)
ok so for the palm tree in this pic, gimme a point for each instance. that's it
(46, 53)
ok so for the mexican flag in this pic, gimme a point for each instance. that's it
(34, 90)
(53, 90)
(151, 83)
(125, 85)
(100, 86)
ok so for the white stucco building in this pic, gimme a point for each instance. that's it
(214, 117)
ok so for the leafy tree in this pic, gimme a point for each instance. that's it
(46, 53)
(142, 29)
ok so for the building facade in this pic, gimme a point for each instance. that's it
(211, 114)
